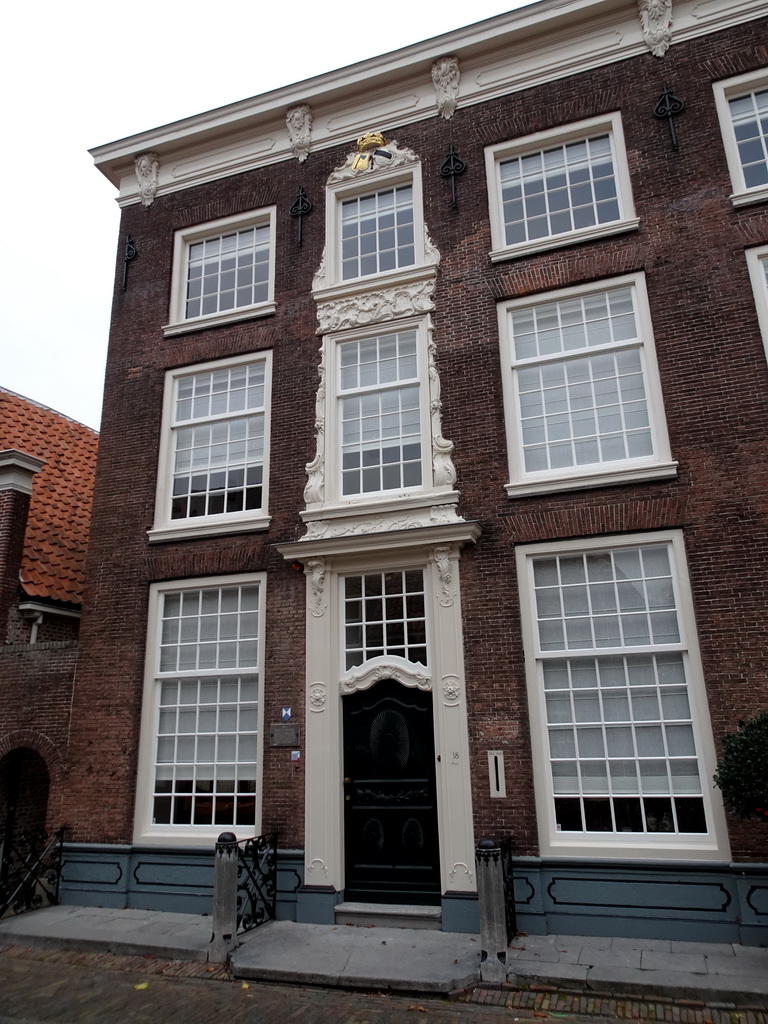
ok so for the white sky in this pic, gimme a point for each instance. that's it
(79, 74)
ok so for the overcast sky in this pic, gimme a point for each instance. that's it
(79, 74)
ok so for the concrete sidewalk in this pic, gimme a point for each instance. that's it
(399, 959)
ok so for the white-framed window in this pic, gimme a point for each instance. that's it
(379, 409)
(757, 261)
(214, 455)
(742, 107)
(623, 753)
(385, 616)
(200, 752)
(557, 187)
(374, 227)
(378, 440)
(581, 384)
(377, 232)
(223, 271)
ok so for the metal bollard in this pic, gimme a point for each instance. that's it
(224, 935)
(493, 913)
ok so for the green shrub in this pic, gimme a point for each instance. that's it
(742, 771)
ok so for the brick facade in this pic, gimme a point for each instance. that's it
(714, 377)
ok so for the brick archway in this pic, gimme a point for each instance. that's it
(31, 770)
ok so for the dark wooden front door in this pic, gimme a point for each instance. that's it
(390, 817)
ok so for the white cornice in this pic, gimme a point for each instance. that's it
(508, 53)
(17, 470)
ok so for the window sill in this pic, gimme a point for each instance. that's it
(610, 846)
(218, 319)
(207, 528)
(559, 241)
(375, 282)
(189, 835)
(610, 478)
(371, 507)
(754, 195)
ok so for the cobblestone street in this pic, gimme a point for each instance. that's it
(67, 987)
(81, 988)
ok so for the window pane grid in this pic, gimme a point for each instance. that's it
(380, 417)
(228, 271)
(205, 770)
(219, 461)
(591, 407)
(384, 614)
(559, 189)
(622, 750)
(749, 115)
(210, 629)
(208, 711)
(377, 232)
(612, 599)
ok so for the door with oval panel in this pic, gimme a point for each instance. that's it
(390, 807)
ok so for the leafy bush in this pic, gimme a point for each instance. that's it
(742, 771)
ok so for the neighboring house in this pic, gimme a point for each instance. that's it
(47, 466)
(434, 505)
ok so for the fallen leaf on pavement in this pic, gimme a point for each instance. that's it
(141, 985)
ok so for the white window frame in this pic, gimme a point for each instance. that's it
(369, 183)
(178, 322)
(731, 89)
(402, 497)
(658, 466)
(609, 124)
(706, 846)
(165, 528)
(757, 262)
(180, 835)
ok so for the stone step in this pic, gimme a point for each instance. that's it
(389, 915)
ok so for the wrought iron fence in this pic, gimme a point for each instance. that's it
(256, 881)
(509, 887)
(30, 870)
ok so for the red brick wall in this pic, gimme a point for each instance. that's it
(35, 697)
(714, 378)
(14, 507)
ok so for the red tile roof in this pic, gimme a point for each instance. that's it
(53, 564)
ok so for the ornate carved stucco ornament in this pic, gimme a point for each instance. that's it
(377, 154)
(317, 697)
(451, 690)
(656, 23)
(376, 307)
(298, 121)
(448, 591)
(148, 176)
(446, 76)
(364, 524)
(316, 575)
(395, 668)
(315, 488)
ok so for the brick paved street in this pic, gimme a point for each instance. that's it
(67, 987)
(38, 987)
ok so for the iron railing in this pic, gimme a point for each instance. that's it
(509, 887)
(30, 870)
(256, 881)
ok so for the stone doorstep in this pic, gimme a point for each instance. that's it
(389, 915)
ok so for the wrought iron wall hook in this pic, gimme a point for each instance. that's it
(130, 254)
(302, 205)
(451, 168)
(669, 106)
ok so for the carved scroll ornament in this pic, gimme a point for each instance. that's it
(445, 77)
(148, 176)
(298, 121)
(656, 23)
